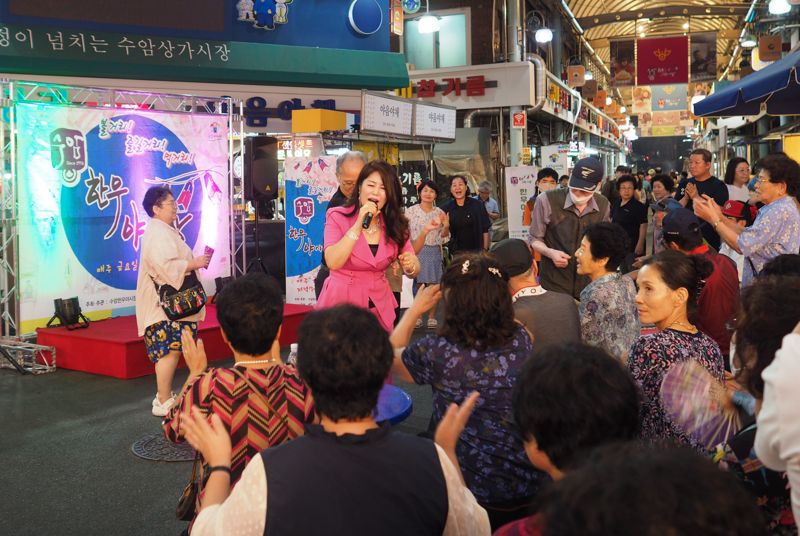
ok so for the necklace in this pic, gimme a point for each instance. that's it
(371, 230)
(690, 327)
(259, 361)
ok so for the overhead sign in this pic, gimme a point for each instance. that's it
(433, 121)
(477, 86)
(384, 114)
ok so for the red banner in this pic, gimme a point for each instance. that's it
(662, 60)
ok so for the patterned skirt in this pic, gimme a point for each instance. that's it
(430, 259)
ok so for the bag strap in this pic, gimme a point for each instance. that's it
(195, 466)
(752, 266)
(252, 387)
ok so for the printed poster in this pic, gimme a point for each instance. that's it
(82, 175)
(642, 99)
(520, 186)
(704, 56)
(662, 60)
(310, 184)
(557, 157)
(669, 98)
(623, 65)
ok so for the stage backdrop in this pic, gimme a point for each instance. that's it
(520, 186)
(310, 184)
(82, 174)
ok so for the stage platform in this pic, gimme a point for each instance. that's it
(112, 347)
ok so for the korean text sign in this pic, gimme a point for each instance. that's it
(82, 177)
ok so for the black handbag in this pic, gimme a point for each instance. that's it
(183, 302)
(187, 504)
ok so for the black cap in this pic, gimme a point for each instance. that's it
(680, 222)
(586, 174)
(513, 255)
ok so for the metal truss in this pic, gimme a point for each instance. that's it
(13, 92)
(25, 357)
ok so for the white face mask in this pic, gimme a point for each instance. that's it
(579, 201)
(732, 359)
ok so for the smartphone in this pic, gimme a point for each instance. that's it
(208, 252)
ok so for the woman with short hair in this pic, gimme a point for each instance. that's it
(468, 220)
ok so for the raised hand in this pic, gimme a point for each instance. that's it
(194, 352)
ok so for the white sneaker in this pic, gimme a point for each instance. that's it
(160, 409)
(432, 323)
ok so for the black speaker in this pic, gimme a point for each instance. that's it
(260, 168)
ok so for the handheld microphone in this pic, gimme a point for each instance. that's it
(367, 221)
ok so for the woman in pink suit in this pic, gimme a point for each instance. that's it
(358, 255)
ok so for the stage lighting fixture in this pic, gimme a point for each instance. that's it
(68, 313)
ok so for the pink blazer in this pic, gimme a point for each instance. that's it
(362, 278)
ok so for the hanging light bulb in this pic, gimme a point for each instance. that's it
(543, 35)
(428, 23)
(749, 41)
(779, 7)
(588, 76)
(609, 100)
(623, 109)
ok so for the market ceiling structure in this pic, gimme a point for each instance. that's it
(603, 20)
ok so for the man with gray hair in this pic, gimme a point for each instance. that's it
(489, 203)
(348, 167)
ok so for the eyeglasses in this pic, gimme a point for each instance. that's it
(170, 203)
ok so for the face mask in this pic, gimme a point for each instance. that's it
(546, 187)
(731, 359)
(579, 201)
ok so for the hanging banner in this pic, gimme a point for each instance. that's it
(770, 47)
(556, 157)
(642, 99)
(310, 184)
(576, 75)
(704, 56)
(623, 71)
(520, 186)
(82, 176)
(669, 98)
(662, 60)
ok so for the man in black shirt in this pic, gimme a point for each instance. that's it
(702, 183)
(348, 166)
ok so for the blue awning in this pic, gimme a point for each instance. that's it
(777, 84)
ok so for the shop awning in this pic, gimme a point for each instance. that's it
(248, 63)
(777, 85)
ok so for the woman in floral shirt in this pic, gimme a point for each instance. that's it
(669, 284)
(479, 347)
(609, 318)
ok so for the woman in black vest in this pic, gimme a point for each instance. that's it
(348, 474)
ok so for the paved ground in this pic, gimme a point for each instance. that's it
(66, 465)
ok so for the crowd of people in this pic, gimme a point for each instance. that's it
(554, 382)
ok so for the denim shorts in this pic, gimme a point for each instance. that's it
(164, 337)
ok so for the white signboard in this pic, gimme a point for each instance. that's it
(381, 113)
(520, 186)
(434, 121)
(556, 157)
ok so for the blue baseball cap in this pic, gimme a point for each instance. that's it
(586, 174)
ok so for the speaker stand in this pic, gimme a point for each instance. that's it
(257, 262)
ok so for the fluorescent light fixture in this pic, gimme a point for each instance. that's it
(779, 7)
(588, 76)
(623, 109)
(749, 41)
(428, 24)
(543, 35)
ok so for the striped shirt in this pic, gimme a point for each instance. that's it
(252, 425)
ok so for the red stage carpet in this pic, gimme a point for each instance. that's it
(112, 348)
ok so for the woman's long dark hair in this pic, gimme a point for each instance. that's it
(477, 305)
(680, 270)
(393, 219)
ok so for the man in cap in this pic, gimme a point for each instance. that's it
(719, 299)
(559, 219)
(660, 209)
(743, 215)
(552, 317)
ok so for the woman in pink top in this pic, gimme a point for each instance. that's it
(359, 248)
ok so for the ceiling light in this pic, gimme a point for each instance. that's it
(779, 7)
(623, 109)
(544, 35)
(749, 41)
(641, 35)
(428, 24)
(685, 25)
(588, 76)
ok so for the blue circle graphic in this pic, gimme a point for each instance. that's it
(365, 16)
(103, 217)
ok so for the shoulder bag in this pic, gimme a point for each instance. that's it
(183, 302)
